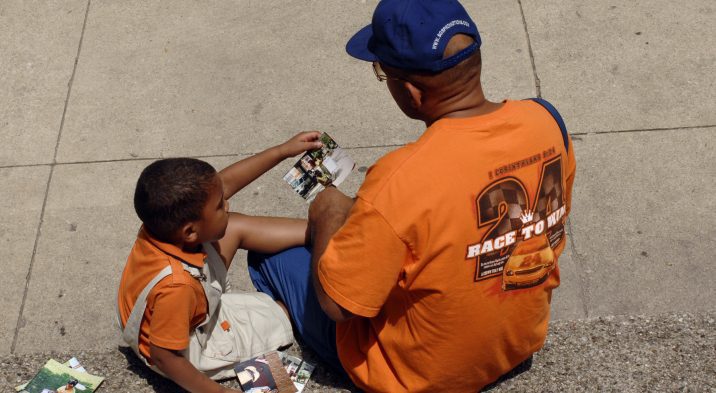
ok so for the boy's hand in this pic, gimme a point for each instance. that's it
(303, 141)
(240, 174)
(177, 368)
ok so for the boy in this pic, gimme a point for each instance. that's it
(173, 304)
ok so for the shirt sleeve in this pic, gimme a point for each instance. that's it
(170, 324)
(362, 262)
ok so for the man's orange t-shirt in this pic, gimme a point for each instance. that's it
(175, 306)
(450, 253)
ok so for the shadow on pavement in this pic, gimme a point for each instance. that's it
(156, 381)
(519, 369)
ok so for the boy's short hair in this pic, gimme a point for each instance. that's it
(172, 192)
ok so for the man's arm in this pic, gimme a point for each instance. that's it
(240, 174)
(326, 215)
(177, 368)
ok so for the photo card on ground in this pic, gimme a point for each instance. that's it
(264, 374)
(299, 370)
(57, 377)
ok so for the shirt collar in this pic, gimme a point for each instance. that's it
(192, 258)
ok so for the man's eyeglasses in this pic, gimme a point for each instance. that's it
(380, 74)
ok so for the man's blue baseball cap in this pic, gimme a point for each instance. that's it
(412, 35)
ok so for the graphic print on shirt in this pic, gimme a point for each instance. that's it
(521, 233)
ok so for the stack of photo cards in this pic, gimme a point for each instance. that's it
(299, 371)
(320, 168)
(274, 372)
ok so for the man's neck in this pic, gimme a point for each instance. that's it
(466, 108)
(460, 101)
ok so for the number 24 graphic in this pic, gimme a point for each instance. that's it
(501, 205)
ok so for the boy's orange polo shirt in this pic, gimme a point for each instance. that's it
(175, 306)
(449, 255)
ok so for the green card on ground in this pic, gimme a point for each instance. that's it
(57, 377)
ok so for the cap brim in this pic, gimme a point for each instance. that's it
(357, 46)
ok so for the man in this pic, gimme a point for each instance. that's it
(439, 274)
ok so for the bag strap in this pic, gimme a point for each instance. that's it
(130, 331)
(557, 117)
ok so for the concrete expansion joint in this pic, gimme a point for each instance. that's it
(579, 262)
(21, 321)
(575, 136)
(538, 85)
(626, 131)
(204, 156)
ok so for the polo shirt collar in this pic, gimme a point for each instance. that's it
(194, 259)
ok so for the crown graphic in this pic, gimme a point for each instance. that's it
(526, 216)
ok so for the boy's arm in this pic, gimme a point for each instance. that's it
(177, 368)
(261, 234)
(240, 174)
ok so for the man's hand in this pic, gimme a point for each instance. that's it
(326, 215)
(303, 141)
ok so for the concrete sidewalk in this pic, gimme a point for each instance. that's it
(95, 90)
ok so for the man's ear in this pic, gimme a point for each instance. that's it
(189, 232)
(416, 95)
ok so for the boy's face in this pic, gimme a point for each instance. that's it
(215, 215)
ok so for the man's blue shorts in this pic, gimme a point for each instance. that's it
(286, 277)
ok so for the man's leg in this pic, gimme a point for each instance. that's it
(286, 277)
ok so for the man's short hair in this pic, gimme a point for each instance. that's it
(465, 70)
(171, 193)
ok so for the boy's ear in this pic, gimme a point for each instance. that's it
(416, 95)
(189, 232)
